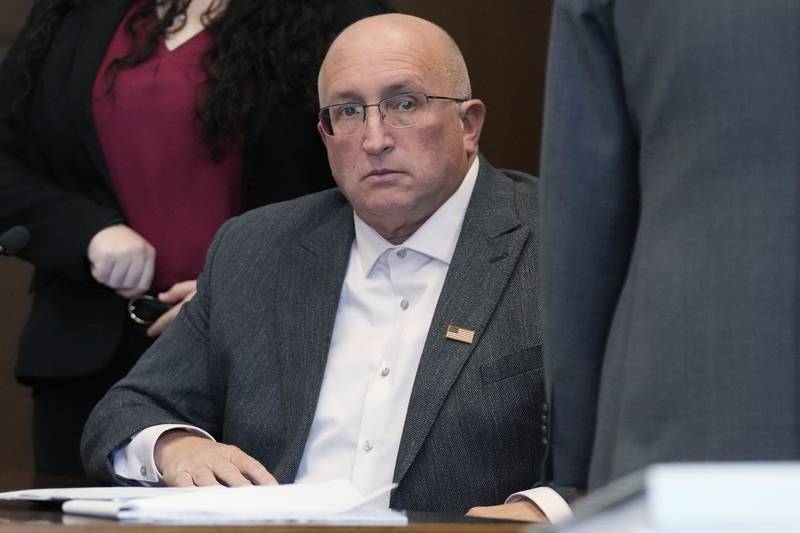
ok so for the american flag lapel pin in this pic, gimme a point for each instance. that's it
(455, 333)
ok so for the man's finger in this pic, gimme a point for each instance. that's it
(179, 479)
(252, 469)
(203, 476)
(229, 475)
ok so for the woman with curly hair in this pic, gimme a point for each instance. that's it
(129, 131)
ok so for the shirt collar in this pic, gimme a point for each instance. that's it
(436, 238)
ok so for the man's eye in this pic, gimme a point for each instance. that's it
(349, 111)
(406, 104)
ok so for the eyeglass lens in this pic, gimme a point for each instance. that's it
(398, 111)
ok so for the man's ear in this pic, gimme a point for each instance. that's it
(322, 134)
(473, 113)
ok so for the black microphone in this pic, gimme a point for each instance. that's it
(14, 240)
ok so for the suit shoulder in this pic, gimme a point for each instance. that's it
(284, 220)
(522, 181)
(525, 188)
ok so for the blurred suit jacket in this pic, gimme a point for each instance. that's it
(245, 359)
(671, 214)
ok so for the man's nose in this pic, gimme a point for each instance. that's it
(377, 138)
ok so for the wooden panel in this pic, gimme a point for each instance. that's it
(12, 15)
(15, 403)
(505, 45)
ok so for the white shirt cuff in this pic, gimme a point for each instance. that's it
(136, 460)
(554, 507)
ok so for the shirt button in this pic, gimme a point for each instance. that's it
(143, 470)
(401, 253)
(403, 304)
(385, 372)
(367, 445)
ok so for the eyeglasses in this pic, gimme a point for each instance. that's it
(400, 111)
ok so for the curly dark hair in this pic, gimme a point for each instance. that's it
(259, 46)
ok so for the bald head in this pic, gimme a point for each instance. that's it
(403, 38)
(397, 157)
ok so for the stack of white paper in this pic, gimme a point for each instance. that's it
(754, 497)
(332, 502)
(92, 493)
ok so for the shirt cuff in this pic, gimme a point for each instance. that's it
(553, 506)
(136, 460)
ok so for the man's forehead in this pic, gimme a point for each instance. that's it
(366, 88)
(376, 73)
(363, 63)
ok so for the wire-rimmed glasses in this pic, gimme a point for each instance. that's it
(399, 111)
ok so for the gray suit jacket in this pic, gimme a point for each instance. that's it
(245, 358)
(670, 204)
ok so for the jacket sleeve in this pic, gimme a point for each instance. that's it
(589, 206)
(177, 381)
(61, 221)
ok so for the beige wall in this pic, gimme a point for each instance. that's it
(504, 42)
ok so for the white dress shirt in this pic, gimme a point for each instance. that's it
(385, 309)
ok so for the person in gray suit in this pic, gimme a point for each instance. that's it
(670, 213)
(382, 332)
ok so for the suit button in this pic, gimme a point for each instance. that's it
(544, 441)
(545, 407)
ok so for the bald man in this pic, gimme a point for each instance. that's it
(384, 331)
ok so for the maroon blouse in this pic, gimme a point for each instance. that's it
(170, 191)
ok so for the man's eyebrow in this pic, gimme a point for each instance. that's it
(344, 97)
(400, 88)
(349, 96)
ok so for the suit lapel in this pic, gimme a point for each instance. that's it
(309, 289)
(98, 26)
(490, 242)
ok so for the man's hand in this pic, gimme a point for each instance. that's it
(179, 294)
(186, 459)
(524, 510)
(122, 259)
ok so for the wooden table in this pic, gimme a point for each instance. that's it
(30, 518)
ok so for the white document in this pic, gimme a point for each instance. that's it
(332, 502)
(92, 493)
(751, 497)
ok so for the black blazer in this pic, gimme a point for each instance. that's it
(54, 180)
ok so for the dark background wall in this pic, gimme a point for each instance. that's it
(504, 42)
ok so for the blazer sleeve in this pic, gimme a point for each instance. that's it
(61, 221)
(177, 381)
(588, 205)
